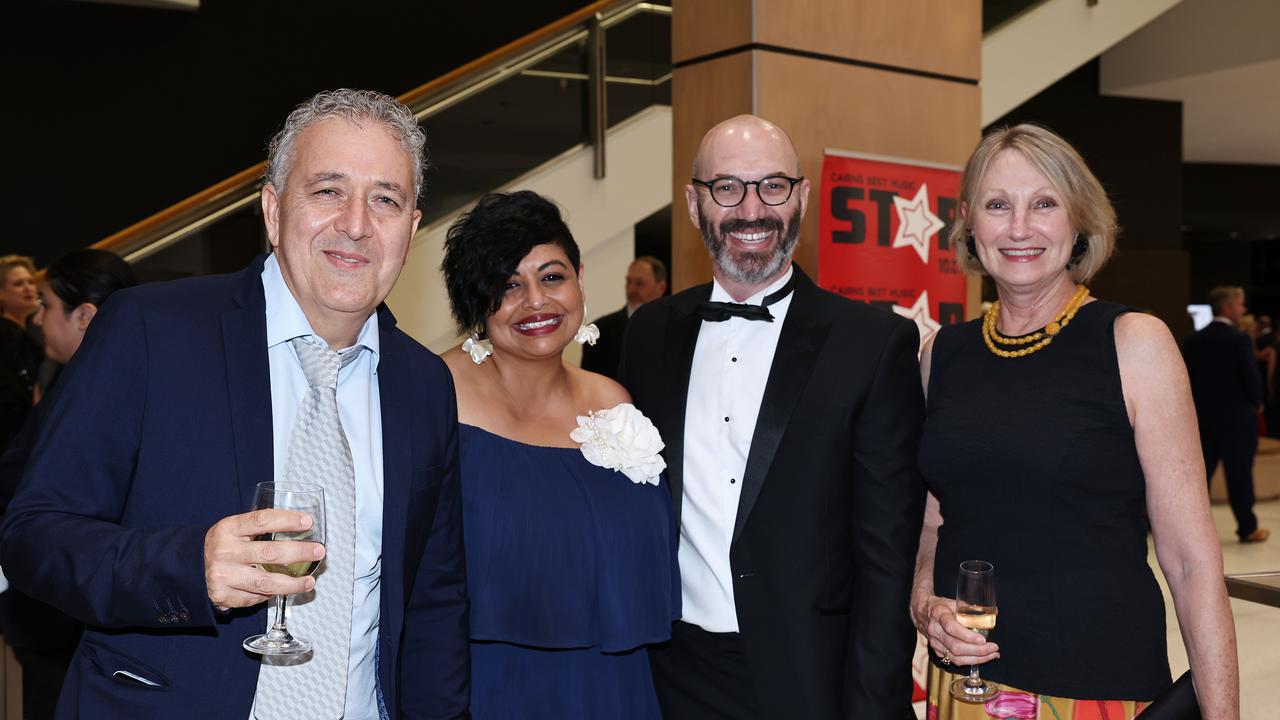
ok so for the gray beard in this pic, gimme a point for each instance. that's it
(750, 268)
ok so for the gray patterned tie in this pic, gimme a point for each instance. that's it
(319, 454)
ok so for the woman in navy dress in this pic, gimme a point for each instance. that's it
(569, 535)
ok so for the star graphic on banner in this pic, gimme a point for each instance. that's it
(919, 314)
(916, 223)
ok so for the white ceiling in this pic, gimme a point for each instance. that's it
(1221, 59)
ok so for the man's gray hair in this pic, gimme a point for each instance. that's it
(1223, 294)
(355, 106)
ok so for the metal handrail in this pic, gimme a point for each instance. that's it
(188, 216)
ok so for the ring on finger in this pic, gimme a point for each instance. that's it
(946, 659)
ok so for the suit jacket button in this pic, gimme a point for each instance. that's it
(173, 617)
(184, 616)
(163, 618)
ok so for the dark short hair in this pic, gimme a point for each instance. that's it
(484, 246)
(658, 267)
(88, 276)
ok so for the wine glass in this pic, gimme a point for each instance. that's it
(289, 496)
(976, 610)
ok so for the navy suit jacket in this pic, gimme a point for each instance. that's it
(161, 427)
(1225, 383)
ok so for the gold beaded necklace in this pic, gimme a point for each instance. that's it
(1040, 338)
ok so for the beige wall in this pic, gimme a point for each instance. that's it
(941, 36)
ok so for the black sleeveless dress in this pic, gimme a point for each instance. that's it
(1034, 464)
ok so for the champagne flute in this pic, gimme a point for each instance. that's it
(290, 496)
(976, 610)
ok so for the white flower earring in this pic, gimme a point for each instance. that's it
(477, 348)
(587, 334)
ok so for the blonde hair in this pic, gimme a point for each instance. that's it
(1248, 325)
(1088, 209)
(9, 262)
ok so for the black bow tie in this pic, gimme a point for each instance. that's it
(713, 311)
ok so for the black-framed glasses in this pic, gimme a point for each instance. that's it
(731, 191)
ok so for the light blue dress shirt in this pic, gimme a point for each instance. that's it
(361, 416)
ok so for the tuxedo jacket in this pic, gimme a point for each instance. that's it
(604, 356)
(1225, 382)
(160, 428)
(831, 504)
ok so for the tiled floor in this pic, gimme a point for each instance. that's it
(1257, 626)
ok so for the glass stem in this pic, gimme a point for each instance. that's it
(974, 680)
(279, 631)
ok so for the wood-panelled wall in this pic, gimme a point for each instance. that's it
(897, 79)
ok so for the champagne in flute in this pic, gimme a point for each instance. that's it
(976, 610)
(978, 618)
(292, 496)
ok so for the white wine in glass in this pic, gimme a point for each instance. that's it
(976, 610)
(288, 496)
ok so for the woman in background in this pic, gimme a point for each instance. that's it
(43, 639)
(570, 538)
(1059, 429)
(19, 351)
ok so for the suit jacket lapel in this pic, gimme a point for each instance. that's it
(682, 335)
(799, 345)
(397, 443)
(244, 340)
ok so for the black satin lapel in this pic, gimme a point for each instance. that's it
(682, 335)
(799, 344)
(244, 340)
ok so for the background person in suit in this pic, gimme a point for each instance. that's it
(182, 398)
(1227, 390)
(43, 639)
(646, 281)
(791, 448)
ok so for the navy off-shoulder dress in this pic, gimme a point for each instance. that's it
(572, 572)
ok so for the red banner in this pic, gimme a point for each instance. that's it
(883, 236)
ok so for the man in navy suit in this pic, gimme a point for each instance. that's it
(132, 516)
(1228, 395)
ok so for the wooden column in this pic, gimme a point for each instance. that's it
(896, 79)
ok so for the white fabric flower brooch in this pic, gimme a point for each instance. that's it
(622, 439)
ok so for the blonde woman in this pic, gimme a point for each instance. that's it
(1059, 431)
(20, 353)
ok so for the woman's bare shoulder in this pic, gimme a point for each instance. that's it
(1139, 335)
(599, 392)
